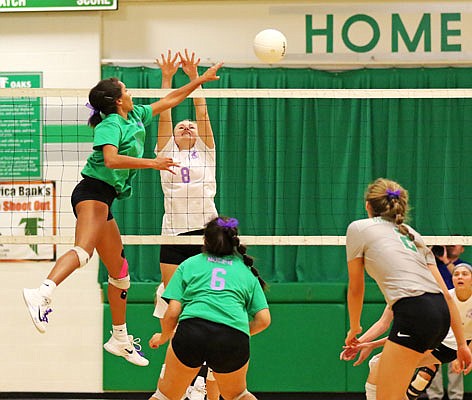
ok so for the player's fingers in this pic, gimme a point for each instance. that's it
(174, 59)
(359, 361)
(468, 368)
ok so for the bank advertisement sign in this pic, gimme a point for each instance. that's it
(57, 5)
(27, 209)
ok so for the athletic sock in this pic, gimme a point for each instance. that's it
(120, 332)
(370, 391)
(47, 288)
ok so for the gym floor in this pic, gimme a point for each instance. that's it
(145, 396)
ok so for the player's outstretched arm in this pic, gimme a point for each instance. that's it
(178, 95)
(169, 65)
(189, 64)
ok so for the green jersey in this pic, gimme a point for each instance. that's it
(218, 289)
(127, 135)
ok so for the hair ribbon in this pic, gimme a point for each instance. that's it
(393, 194)
(92, 109)
(230, 223)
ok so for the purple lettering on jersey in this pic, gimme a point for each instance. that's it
(219, 260)
(185, 173)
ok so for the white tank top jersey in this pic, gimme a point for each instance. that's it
(397, 265)
(465, 312)
(189, 195)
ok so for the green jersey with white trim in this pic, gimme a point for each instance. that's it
(218, 289)
(128, 136)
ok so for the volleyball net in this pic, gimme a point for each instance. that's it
(292, 164)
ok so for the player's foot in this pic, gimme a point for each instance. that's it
(198, 390)
(38, 307)
(130, 350)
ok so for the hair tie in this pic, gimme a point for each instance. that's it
(393, 194)
(94, 111)
(230, 223)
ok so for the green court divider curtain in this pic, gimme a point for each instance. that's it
(301, 166)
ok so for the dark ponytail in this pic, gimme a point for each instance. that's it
(102, 99)
(221, 239)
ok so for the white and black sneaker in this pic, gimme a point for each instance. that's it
(130, 350)
(198, 390)
(38, 307)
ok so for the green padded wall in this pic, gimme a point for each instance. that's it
(118, 374)
(293, 355)
(298, 349)
(299, 352)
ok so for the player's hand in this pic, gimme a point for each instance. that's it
(364, 353)
(210, 73)
(349, 353)
(165, 164)
(169, 64)
(189, 64)
(155, 341)
(351, 339)
(456, 367)
(464, 359)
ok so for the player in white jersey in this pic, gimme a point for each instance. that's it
(429, 365)
(406, 273)
(189, 195)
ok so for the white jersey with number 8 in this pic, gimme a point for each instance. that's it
(189, 195)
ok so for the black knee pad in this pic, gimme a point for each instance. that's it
(417, 384)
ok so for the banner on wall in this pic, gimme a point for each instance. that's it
(20, 128)
(27, 208)
(57, 5)
(381, 32)
(318, 34)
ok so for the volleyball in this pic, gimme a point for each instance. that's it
(270, 45)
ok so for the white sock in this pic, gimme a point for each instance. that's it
(370, 391)
(47, 288)
(120, 332)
